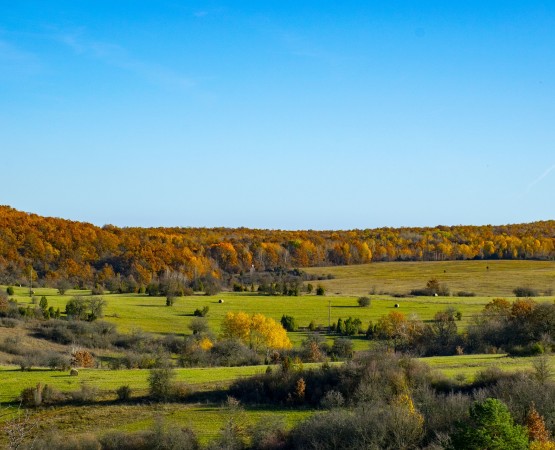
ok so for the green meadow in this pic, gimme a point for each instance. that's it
(131, 312)
(206, 420)
(380, 281)
(485, 278)
(14, 380)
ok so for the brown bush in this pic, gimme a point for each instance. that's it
(82, 358)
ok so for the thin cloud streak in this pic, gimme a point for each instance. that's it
(539, 179)
(117, 56)
(16, 62)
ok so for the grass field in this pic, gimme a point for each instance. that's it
(139, 311)
(469, 365)
(485, 278)
(205, 419)
(14, 380)
(133, 311)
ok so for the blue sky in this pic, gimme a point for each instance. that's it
(279, 114)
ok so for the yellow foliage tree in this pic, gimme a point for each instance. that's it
(205, 344)
(256, 330)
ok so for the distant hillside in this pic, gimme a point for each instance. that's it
(86, 254)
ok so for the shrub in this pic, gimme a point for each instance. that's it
(82, 358)
(97, 290)
(342, 347)
(32, 396)
(433, 287)
(289, 323)
(320, 290)
(363, 428)
(118, 440)
(532, 349)
(123, 393)
(54, 440)
(77, 308)
(160, 383)
(465, 294)
(8, 323)
(59, 362)
(232, 352)
(525, 292)
(201, 312)
(62, 286)
(85, 394)
(332, 399)
(10, 290)
(363, 301)
(4, 305)
(199, 325)
(211, 285)
(270, 433)
(180, 390)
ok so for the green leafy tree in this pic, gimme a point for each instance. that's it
(289, 323)
(363, 301)
(43, 303)
(490, 427)
(77, 308)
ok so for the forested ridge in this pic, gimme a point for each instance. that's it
(63, 249)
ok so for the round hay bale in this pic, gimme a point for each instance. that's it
(220, 301)
(397, 305)
(73, 372)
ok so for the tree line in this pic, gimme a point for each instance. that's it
(43, 249)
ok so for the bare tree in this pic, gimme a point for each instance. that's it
(20, 429)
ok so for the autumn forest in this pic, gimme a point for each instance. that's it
(88, 255)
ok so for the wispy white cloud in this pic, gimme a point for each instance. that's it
(117, 56)
(14, 60)
(299, 46)
(208, 12)
(539, 179)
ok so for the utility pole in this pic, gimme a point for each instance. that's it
(31, 282)
(329, 316)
